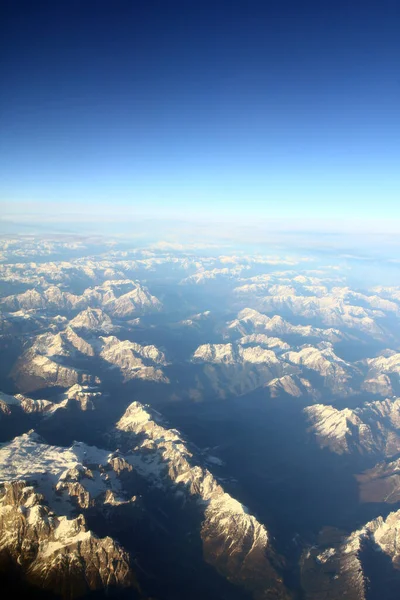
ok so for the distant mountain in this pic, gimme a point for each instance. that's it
(281, 372)
(56, 360)
(250, 321)
(236, 369)
(121, 299)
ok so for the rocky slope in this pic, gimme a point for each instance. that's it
(337, 374)
(234, 542)
(79, 476)
(120, 298)
(93, 319)
(373, 428)
(82, 396)
(292, 385)
(56, 360)
(273, 334)
(251, 321)
(19, 402)
(383, 373)
(344, 568)
(381, 483)
(133, 360)
(55, 553)
(34, 371)
(235, 369)
(334, 309)
(43, 535)
(238, 368)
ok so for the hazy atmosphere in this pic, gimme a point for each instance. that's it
(200, 300)
(114, 112)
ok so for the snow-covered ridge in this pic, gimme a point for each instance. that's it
(348, 561)
(232, 364)
(339, 308)
(251, 321)
(234, 353)
(93, 319)
(120, 298)
(51, 360)
(337, 373)
(263, 340)
(233, 539)
(86, 397)
(134, 360)
(233, 369)
(27, 405)
(384, 364)
(67, 477)
(56, 553)
(292, 385)
(371, 428)
(204, 276)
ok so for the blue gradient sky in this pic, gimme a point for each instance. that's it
(281, 109)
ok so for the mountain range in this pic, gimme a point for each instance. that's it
(187, 424)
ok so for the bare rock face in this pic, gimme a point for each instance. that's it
(83, 397)
(373, 428)
(337, 374)
(133, 360)
(292, 385)
(236, 369)
(31, 299)
(19, 402)
(57, 554)
(34, 371)
(331, 571)
(234, 541)
(381, 483)
(52, 360)
(47, 363)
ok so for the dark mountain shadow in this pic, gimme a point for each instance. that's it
(10, 349)
(15, 424)
(383, 580)
(273, 466)
(162, 535)
(15, 585)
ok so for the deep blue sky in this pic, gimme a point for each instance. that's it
(283, 109)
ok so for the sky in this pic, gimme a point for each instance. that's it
(284, 111)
